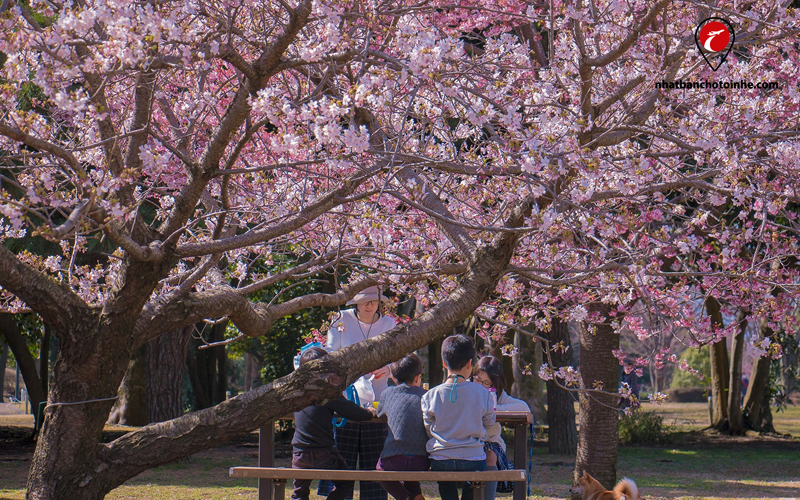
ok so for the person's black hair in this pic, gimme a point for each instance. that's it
(493, 369)
(457, 351)
(312, 353)
(406, 369)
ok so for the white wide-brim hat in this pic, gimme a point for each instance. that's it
(367, 295)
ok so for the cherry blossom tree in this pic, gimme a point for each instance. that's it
(513, 159)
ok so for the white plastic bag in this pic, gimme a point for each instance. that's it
(366, 393)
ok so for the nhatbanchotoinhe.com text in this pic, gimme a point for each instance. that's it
(716, 85)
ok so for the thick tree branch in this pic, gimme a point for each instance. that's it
(698, 181)
(618, 94)
(53, 301)
(139, 121)
(270, 59)
(633, 35)
(15, 134)
(75, 217)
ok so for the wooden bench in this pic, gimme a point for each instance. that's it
(520, 420)
(279, 476)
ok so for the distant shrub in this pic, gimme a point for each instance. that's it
(700, 360)
(687, 395)
(642, 428)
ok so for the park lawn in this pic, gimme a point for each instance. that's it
(668, 472)
(694, 416)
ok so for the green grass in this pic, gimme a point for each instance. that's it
(692, 467)
(694, 416)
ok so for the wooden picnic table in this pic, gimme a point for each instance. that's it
(519, 420)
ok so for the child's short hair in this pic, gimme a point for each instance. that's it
(493, 369)
(312, 353)
(406, 369)
(457, 351)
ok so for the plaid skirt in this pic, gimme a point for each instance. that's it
(360, 444)
(503, 463)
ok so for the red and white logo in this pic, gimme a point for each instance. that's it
(714, 36)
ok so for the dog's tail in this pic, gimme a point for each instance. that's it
(626, 489)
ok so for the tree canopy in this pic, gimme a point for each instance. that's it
(513, 157)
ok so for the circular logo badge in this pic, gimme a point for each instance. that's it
(714, 36)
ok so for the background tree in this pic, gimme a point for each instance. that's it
(562, 436)
(24, 336)
(3, 364)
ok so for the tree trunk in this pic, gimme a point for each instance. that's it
(193, 368)
(527, 386)
(25, 360)
(735, 422)
(598, 443)
(166, 358)
(435, 367)
(207, 368)
(652, 373)
(131, 407)
(562, 436)
(756, 413)
(789, 365)
(249, 367)
(221, 358)
(3, 364)
(86, 381)
(508, 368)
(44, 356)
(720, 371)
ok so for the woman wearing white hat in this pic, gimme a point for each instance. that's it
(361, 443)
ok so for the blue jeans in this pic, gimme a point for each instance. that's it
(448, 490)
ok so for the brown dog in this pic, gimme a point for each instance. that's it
(590, 488)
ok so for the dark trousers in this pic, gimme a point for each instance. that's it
(448, 490)
(361, 444)
(402, 490)
(320, 458)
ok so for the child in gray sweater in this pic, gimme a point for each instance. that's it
(404, 448)
(457, 414)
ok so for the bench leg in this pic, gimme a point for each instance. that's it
(280, 488)
(478, 490)
(520, 458)
(266, 458)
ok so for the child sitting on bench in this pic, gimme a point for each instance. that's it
(404, 448)
(313, 444)
(457, 414)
